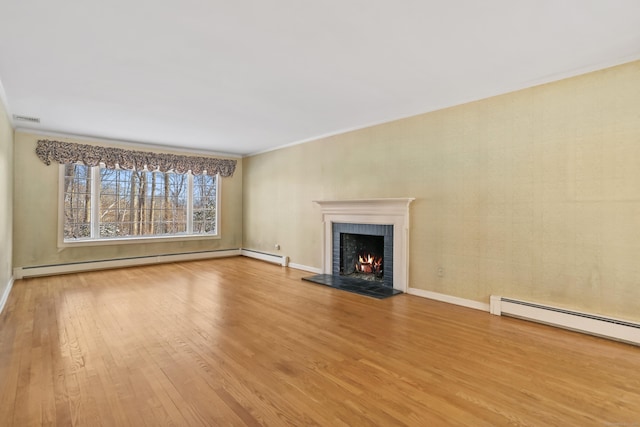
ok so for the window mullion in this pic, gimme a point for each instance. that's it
(189, 203)
(95, 202)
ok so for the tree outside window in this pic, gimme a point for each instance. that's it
(137, 203)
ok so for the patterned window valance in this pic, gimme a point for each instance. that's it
(93, 155)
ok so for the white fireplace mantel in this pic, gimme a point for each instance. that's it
(393, 211)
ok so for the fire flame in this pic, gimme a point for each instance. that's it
(368, 259)
(367, 263)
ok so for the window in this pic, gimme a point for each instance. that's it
(104, 204)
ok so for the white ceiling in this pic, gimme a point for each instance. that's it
(244, 76)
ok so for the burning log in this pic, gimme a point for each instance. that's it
(369, 264)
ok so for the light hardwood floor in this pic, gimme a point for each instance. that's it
(241, 342)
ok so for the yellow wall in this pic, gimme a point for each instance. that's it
(36, 215)
(534, 194)
(6, 199)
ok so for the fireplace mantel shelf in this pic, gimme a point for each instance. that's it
(392, 206)
(383, 200)
(389, 201)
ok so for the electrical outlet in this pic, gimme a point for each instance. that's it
(440, 271)
(277, 247)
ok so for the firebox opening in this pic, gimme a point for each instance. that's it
(361, 256)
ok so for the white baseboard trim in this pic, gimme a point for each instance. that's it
(5, 295)
(305, 268)
(275, 259)
(48, 270)
(448, 299)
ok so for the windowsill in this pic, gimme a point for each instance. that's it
(134, 240)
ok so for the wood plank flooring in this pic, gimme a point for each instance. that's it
(241, 342)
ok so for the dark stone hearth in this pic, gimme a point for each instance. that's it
(357, 286)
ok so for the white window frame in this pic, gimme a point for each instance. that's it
(95, 215)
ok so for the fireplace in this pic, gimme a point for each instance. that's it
(363, 251)
(386, 219)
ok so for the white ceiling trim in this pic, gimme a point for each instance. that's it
(533, 83)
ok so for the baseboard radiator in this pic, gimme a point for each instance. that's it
(607, 327)
(75, 267)
(263, 256)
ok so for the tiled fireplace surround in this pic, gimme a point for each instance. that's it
(382, 217)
